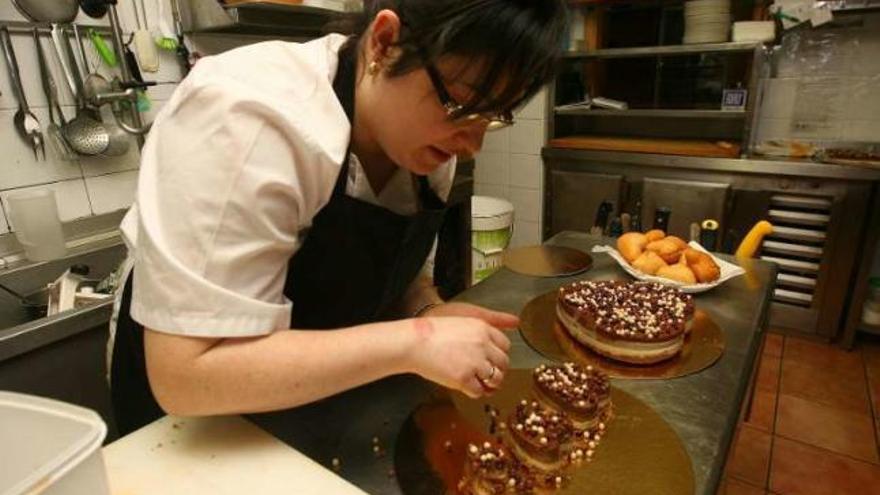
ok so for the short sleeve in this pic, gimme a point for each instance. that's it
(227, 184)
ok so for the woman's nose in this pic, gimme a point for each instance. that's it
(469, 140)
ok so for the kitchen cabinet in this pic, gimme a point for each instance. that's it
(577, 196)
(690, 202)
(817, 210)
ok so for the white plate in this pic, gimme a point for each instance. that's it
(728, 270)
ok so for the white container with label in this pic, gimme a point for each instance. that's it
(491, 231)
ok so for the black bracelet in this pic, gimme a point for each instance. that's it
(426, 308)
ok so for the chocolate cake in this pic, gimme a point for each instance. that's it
(492, 470)
(539, 436)
(581, 392)
(633, 322)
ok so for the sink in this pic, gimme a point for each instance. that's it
(22, 330)
(60, 356)
(32, 279)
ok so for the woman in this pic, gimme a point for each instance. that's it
(298, 186)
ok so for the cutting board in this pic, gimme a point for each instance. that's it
(718, 149)
(215, 455)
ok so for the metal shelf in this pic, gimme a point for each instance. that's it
(656, 113)
(650, 51)
(844, 6)
(45, 27)
(266, 19)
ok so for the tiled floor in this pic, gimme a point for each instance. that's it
(814, 423)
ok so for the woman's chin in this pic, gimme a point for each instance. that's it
(425, 163)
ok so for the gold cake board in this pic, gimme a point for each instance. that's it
(541, 329)
(547, 261)
(638, 454)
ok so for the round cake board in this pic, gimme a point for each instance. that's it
(542, 330)
(547, 261)
(638, 454)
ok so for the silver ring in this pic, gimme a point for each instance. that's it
(491, 374)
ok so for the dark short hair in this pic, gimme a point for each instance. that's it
(518, 42)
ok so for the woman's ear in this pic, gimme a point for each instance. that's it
(382, 37)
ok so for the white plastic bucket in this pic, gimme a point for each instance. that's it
(491, 231)
(50, 447)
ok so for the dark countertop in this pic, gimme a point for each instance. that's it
(702, 408)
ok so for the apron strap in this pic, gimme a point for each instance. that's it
(343, 86)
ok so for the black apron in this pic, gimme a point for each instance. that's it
(356, 263)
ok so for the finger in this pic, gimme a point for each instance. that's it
(492, 384)
(473, 387)
(498, 319)
(499, 339)
(497, 357)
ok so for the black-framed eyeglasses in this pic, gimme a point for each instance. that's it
(493, 121)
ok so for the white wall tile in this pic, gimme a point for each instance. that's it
(770, 129)
(779, 98)
(863, 130)
(491, 190)
(155, 108)
(4, 227)
(497, 140)
(867, 54)
(19, 168)
(864, 97)
(492, 167)
(526, 203)
(818, 130)
(99, 165)
(527, 137)
(112, 192)
(525, 170)
(535, 109)
(213, 44)
(71, 196)
(525, 234)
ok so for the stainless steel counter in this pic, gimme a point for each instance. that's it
(703, 408)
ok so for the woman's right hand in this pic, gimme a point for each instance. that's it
(460, 353)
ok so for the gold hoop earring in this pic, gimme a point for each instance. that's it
(373, 68)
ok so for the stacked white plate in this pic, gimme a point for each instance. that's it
(706, 21)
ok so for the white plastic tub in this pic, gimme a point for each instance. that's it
(491, 231)
(50, 447)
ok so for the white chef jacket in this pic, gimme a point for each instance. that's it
(240, 160)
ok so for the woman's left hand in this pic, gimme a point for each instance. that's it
(496, 319)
